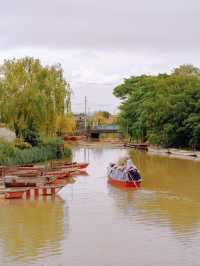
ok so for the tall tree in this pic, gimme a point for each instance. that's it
(32, 95)
(165, 109)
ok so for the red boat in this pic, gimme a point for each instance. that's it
(73, 138)
(124, 184)
(16, 181)
(58, 174)
(70, 165)
(24, 173)
(14, 194)
(83, 165)
(31, 192)
(119, 177)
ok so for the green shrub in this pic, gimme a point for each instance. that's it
(31, 136)
(52, 141)
(21, 144)
(11, 155)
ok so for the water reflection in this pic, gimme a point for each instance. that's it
(106, 223)
(32, 229)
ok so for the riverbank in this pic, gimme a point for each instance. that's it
(178, 153)
(99, 143)
(172, 152)
(115, 143)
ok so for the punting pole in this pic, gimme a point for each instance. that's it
(135, 184)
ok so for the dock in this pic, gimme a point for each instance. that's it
(137, 146)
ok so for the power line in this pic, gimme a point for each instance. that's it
(95, 83)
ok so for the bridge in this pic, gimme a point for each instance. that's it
(95, 131)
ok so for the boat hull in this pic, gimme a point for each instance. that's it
(69, 165)
(14, 195)
(83, 165)
(124, 184)
(30, 193)
(13, 182)
(73, 138)
(59, 174)
(19, 184)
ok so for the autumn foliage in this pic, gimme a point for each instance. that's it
(32, 97)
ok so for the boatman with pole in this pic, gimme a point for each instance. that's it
(132, 171)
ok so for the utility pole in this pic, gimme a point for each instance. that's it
(85, 114)
(68, 99)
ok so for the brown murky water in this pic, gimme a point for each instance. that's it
(94, 224)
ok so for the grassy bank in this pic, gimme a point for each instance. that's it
(49, 150)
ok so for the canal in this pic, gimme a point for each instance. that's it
(94, 224)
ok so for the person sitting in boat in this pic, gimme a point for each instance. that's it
(112, 165)
(116, 171)
(132, 171)
(120, 172)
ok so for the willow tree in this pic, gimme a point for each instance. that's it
(32, 95)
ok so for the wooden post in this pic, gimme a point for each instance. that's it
(28, 194)
(36, 193)
(53, 191)
(44, 191)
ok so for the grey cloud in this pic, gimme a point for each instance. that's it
(98, 43)
(144, 25)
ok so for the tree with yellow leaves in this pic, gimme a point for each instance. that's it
(32, 96)
(65, 124)
(100, 118)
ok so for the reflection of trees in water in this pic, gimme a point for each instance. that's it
(99, 157)
(28, 228)
(181, 214)
(169, 195)
(106, 155)
(81, 154)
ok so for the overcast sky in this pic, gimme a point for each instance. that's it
(98, 43)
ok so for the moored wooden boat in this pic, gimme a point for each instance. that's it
(24, 173)
(83, 165)
(14, 194)
(60, 174)
(57, 169)
(16, 181)
(26, 165)
(137, 146)
(31, 192)
(69, 165)
(73, 138)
